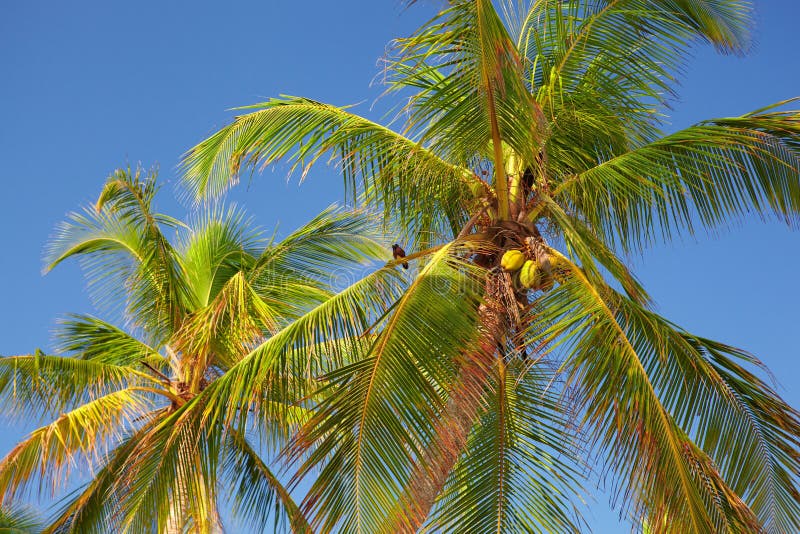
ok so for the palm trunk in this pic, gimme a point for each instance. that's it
(432, 470)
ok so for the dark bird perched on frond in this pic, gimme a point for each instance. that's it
(398, 252)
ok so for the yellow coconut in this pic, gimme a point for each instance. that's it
(529, 275)
(512, 260)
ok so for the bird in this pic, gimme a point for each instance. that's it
(398, 253)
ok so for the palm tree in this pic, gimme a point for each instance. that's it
(536, 127)
(117, 397)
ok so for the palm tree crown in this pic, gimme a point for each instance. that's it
(192, 309)
(535, 127)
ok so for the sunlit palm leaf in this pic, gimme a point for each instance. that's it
(367, 425)
(710, 173)
(408, 179)
(519, 472)
(658, 465)
(47, 385)
(257, 491)
(82, 434)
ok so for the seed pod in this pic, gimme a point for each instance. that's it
(512, 260)
(529, 275)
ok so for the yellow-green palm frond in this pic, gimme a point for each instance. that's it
(471, 92)
(168, 477)
(45, 385)
(257, 491)
(617, 60)
(16, 518)
(645, 389)
(397, 172)
(710, 174)
(127, 257)
(366, 435)
(86, 337)
(519, 471)
(80, 435)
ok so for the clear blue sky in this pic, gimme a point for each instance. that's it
(88, 86)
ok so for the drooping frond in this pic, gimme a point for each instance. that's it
(93, 507)
(658, 466)
(46, 385)
(19, 519)
(81, 435)
(596, 66)
(257, 491)
(735, 417)
(365, 436)
(519, 472)
(86, 337)
(169, 477)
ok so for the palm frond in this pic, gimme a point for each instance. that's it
(735, 417)
(403, 176)
(169, 476)
(46, 385)
(94, 508)
(259, 497)
(611, 62)
(710, 173)
(126, 256)
(82, 434)
(217, 245)
(86, 337)
(19, 519)
(365, 436)
(519, 472)
(656, 463)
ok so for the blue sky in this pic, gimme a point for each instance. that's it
(86, 87)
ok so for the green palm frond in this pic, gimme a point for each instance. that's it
(364, 433)
(404, 176)
(709, 173)
(86, 337)
(46, 385)
(612, 63)
(19, 519)
(93, 507)
(711, 395)
(519, 473)
(225, 330)
(471, 90)
(127, 257)
(659, 467)
(169, 476)
(217, 245)
(257, 491)
(156, 468)
(332, 240)
(82, 434)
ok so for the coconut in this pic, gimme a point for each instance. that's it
(529, 275)
(512, 260)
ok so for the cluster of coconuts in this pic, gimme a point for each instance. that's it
(536, 273)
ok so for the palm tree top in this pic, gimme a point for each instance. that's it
(537, 127)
